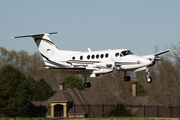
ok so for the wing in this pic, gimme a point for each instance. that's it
(154, 57)
(162, 52)
(85, 68)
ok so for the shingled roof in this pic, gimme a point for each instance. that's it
(141, 101)
(143, 106)
(61, 96)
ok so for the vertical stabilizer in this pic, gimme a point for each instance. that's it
(46, 47)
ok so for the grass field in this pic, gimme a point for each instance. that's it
(101, 118)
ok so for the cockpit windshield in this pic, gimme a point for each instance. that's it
(127, 52)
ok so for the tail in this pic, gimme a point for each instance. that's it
(46, 47)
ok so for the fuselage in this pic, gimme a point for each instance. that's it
(106, 59)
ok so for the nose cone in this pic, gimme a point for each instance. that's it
(145, 61)
(134, 62)
(141, 60)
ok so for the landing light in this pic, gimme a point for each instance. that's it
(118, 64)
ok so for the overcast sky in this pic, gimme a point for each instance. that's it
(138, 25)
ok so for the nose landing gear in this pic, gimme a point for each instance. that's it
(148, 79)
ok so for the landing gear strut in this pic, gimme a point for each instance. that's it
(126, 78)
(148, 79)
(86, 84)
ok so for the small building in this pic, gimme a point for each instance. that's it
(62, 104)
(74, 103)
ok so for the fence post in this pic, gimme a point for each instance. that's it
(179, 111)
(171, 111)
(45, 115)
(131, 109)
(74, 110)
(117, 110)
(157, 110)
(89, 110)
(30, 111)
(144, 111)
(103, 110)
(15, 114)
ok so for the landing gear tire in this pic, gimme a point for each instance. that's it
(87, 85)
(149, 79)
(127, 78)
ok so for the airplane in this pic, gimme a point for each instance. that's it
(92, 63)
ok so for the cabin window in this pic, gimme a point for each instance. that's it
(88, 57)
(97, 56)
(73, 58)
(92, 56)
(106, 55)
(102, 55)
(117, 54)
(81, 57)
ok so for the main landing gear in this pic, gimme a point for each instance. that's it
(126, 78)
(148, 79)
(86, 84)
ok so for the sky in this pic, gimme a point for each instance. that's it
(138, 25)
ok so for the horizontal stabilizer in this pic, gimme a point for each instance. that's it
(34, 35)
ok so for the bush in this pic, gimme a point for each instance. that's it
(119, 110)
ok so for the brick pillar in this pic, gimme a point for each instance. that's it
(61, 86)
(134, 88)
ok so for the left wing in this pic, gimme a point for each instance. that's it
(82, 67)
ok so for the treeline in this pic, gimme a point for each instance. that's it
(28, 64)
(16, 91)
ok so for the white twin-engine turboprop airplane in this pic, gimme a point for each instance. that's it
(92, 63)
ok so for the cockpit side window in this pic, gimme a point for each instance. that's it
(116, 54)
(127, 52)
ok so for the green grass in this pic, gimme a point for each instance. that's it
(98, 118)
(117, 118)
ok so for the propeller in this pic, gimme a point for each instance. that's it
(156, 55)
(156, 58)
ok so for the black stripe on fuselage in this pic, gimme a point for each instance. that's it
(129, 63)
(49, 61)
